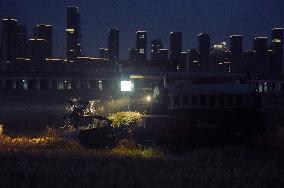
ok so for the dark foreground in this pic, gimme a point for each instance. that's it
(53, 162)
(50, 161)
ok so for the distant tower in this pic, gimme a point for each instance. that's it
(236, 48)
(133, 54)
(156, 45)
(113, 44)
(204, 51)
(73, 34)
(103, 53)
(141, 45)
(260, 48)
(43, 31)
(9, 40)
(277, 47)
(37, 50)
(21, 42)
(175, 46)
(163, 55)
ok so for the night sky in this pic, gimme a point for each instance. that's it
(220, 18)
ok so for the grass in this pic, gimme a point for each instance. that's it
(50, 161)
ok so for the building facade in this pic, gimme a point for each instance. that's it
(9, 40)
(175, 46)
(236, 49)
(73, 34)
(43, 31)
(204, 51)
(141, 45)
(113, 45)
(156, 45)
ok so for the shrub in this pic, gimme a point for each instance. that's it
(95, 107)
(119, 119)
(125, 123)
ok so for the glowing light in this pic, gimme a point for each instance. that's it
(21, 58)
(36, 39)
(126, 86)
(236, 36)
(11, 19)
(43, 25)
(53, 59)
(260, 38)
(141, 51)
(148, 98)
(70, 30)
(276, 40)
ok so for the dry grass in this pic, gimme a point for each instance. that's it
(50, 161)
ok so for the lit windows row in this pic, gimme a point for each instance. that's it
(51, 84)
(213, 101)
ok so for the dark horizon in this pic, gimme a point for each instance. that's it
(220, 19)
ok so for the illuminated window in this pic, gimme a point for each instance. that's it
(141, 51)
(70, 30)
(100, 85)
(276, 40)
(142, 36)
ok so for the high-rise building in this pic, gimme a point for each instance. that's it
(156, 45)
(236, 49)
(260, 48)
(193, 61)
(249, 61)
(220, 58)
(21, 41)
(113, 44)
(43, 31)
(163, 54)
(9, 39)
(133, 54)
(204, 51)
(277, 47)
(141, 45)
(37, 50)
(73, 34)
(175, 46)
(103, 53)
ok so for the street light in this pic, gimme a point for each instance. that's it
(126, 87)
(148, 99)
